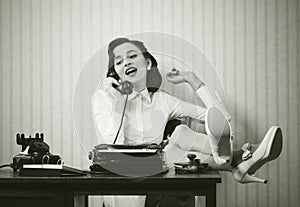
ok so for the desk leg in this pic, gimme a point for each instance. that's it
(211, 198)
(81, 201)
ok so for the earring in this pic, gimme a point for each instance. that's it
(148, 67)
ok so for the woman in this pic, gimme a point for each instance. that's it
(148, 110)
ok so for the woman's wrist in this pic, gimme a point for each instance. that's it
(194, 81)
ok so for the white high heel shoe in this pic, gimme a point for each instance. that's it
(269, 149)
(219, 131)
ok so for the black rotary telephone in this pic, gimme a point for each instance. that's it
(34, 151)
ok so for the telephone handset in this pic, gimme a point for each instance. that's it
(125, 87)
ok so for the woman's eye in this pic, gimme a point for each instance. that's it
(132, 56)
(118, 62)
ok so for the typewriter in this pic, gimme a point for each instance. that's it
(128, 160)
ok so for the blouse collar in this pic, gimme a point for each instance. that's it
(144, 93)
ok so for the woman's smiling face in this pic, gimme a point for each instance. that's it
(131, 65)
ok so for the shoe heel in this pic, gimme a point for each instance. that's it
(252, 179)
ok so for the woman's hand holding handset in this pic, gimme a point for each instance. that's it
(108, 86)
(116, 90)
(176, 76)
(111, 85)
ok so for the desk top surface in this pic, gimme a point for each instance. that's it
(100, 184)
(10, 176)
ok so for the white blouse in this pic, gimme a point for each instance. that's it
(146, 114)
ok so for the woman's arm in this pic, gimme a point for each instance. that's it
(105, 118)
(179, 109)
(208, 96)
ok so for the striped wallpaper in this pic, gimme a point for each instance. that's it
(254, 45)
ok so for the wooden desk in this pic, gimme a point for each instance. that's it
(74, 191)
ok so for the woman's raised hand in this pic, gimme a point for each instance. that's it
(176, 76)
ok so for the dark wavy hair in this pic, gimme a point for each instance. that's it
(153, 79)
